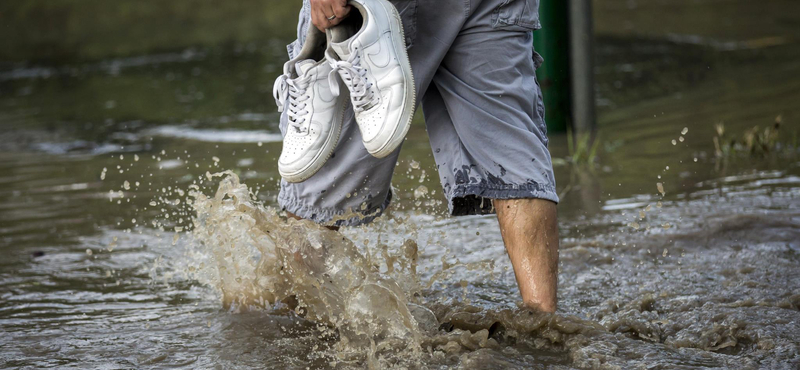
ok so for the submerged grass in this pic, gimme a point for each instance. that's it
(582, 159)
(583, 148)
(754, 142)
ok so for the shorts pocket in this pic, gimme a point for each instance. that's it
(408, 15)
(291, 49)
(540, 120)
(537, 60)
(303, 22)
(519, 13)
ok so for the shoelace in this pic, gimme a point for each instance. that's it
(355, 78)
(295, 91)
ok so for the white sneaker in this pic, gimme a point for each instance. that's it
(314, 113)
(368, 51)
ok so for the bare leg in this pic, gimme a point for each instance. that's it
(530, 232)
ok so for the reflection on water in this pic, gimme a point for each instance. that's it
(122, 253)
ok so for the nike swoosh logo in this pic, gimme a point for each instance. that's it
(381, 57)
(324, 93)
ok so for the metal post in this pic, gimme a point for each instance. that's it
(581, 40)
(552, 43)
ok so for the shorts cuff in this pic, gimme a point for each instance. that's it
(476, 199)
(333, 217)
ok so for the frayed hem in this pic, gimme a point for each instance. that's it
(468, 200)
(334, 217)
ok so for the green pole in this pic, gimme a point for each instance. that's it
(552, 42)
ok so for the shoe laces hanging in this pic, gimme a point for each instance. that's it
(355, 78)
(293, 90)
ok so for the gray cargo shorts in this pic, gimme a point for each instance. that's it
(473, 64)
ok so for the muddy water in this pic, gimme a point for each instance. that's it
(122, 252)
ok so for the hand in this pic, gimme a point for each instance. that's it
(323, 10)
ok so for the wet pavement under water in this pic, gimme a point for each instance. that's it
(122, 252)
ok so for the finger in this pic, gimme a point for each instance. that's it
(314, 18)
(335, 21)
(341, 10)
(330, 17)
(318, 18)
(338, 19)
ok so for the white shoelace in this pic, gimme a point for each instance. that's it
(354, 77)
(295, 91)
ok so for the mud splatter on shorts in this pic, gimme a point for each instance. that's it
(474, 65)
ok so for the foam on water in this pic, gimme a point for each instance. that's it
(379, 311)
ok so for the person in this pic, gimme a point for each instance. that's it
(474, 72)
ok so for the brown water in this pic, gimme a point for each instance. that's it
(123, 250)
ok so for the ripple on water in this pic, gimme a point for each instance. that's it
(717, 290)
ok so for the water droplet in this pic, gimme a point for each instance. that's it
(420, 192)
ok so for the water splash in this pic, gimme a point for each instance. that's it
(263, 259)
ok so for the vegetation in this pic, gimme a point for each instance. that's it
(753, 142)
(583, 148)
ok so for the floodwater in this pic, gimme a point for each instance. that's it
(138, 227)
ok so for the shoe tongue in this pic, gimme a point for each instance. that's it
(304, 66)
(341, 49)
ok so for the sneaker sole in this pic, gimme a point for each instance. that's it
(321, 158)
(410, 97)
